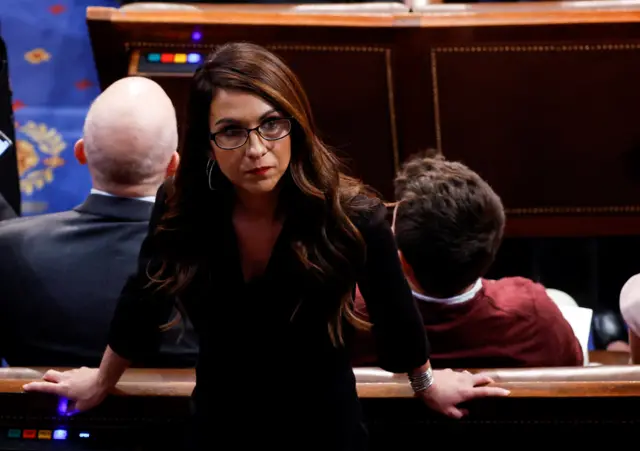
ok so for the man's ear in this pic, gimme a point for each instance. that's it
(408, 272)
(78, 152)
(172, 167)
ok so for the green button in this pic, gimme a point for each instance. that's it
(153, 57)
(14, 433)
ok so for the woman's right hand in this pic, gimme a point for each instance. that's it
(82, 388)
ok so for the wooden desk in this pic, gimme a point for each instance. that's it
(539, 97)
(519, 92)
(150, 409)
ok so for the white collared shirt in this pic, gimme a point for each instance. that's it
(151, 199)
(459, 299)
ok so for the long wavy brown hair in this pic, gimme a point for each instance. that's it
(314, 187)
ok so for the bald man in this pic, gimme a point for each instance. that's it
(62, 273)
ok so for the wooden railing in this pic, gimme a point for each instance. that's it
(149, 409)
(376, 383)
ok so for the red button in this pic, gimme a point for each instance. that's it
(167, 58)
(29, 433)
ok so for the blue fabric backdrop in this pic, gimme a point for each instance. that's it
(54, 80)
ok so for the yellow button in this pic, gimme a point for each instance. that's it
(180, 58)
(44, 435)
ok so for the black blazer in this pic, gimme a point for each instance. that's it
(60, 277)
(6, 212)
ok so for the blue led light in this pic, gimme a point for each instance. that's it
(193, 58)
(84, 435)
(60, 434)
(64, 409)
(196, 36)
(63, 405)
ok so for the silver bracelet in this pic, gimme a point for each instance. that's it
(422, 381)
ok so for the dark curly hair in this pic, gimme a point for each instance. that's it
(449, 223)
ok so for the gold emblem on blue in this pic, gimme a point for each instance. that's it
(39, 148)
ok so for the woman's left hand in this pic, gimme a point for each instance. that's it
(450, 388)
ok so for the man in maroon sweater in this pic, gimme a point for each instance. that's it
(449, 225)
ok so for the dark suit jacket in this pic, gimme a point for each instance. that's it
(60, 278)
(6, 212)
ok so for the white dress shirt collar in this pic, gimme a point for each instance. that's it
(459, 299)
(151, 199)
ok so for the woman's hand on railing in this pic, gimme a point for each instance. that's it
(450, 388)
(82, 388)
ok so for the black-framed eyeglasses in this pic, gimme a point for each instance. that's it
(234, 137)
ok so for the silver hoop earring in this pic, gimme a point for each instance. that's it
(210, 165)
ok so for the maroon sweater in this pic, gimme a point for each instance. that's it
(510, 322)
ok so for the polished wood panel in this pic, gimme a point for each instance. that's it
(538, 97)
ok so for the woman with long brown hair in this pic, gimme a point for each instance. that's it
(260, 241)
